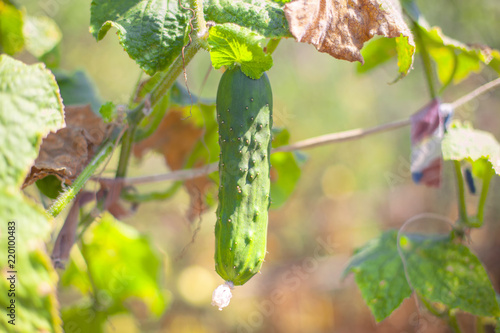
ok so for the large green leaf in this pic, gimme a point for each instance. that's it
(438, 269)
(465, 143)
(151, 32)
(30, 107)
(446, 272)
(11, 29)
(123, 264)
(379, 273)
(232, 45)
(264, 17)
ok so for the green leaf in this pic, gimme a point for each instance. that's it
(281, 137)
(83, 317)
(50, 186)
(285, 174)
(285, 169)
(26, 114)
(77, 88)
(264, 17)
(150, 123)
(124, 265)
(206, 151)
(380, 50)
(180, 96)
(482, 168)
(455, 60)
(108, 111)
(379, 273)
(151, 32)
(42, 35)
(463, 143)
(177, 96)
(11, 29)
(405, 52)
(234, 45)
(30, 108)
(376, 52)
(446, 272)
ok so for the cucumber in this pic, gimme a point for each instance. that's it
(244, 116)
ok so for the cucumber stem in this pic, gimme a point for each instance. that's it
(67, 196)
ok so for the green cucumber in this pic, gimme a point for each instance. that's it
(244, 115)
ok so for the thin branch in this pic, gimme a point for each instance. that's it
(305, 144)
(69, 194)
(462, 207)
(342, 136)
(309, 143)
(174, 175)
(475, 93)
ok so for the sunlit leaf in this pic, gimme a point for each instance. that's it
(234, 45)
(405, 50)
(108, 111)
(11, 29)
(455, 60)
(124, 266)
(465, 143)
(264, 17)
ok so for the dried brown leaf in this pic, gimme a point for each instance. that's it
(66, 152)
(341, 27)
(175, 139)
